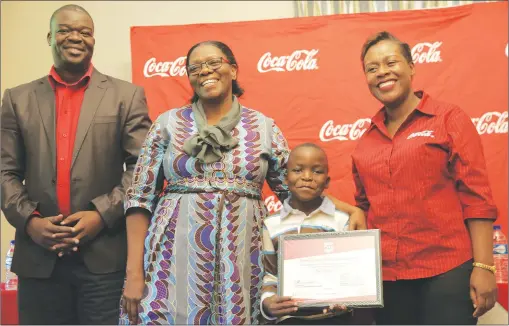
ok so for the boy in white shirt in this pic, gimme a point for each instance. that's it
(305, 211)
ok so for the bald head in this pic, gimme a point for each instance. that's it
(71, 38)
(70, 7)
(310, 147)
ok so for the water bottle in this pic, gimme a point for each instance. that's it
(500, 254)
(11, 279)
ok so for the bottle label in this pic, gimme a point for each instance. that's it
(500, 249)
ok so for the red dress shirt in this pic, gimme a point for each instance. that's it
(419, 188)
(68, 100)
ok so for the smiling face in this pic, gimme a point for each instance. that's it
(388, 74)
(308, 174)
(211, 83)
(72, 39)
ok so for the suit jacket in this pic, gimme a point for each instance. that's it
(112, 126)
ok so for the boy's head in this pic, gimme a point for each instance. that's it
(308, 172)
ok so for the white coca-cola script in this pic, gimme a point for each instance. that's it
(491, 123)
(298, 60)
(165, 68)
(350, 131)
(273, 204)
(425, 133)
(426, 52)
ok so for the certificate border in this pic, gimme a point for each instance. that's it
(378, 303)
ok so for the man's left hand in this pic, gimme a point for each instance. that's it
(357, 220)
(88, 225)
(483, 290)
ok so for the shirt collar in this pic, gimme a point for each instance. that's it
(327, 207)
(424, 106)
(54, 77)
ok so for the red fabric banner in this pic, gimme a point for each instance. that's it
(306, 74)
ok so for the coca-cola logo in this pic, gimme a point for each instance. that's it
(426, 52)
(491, 123)
(351, 131)
(298, 60)
(165, 68)
(425, 133)
(273, 204)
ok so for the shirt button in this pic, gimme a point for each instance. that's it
(64, 135)
(61, 159)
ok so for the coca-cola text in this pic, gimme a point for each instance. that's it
(165, 69)
(273, 204)
(298, 60)
(491, 123)
(426, 52)
(350, 131)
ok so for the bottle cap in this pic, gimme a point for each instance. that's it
(12, 242)
(496, 227)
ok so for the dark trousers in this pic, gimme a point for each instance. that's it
(443, 299)
(357, 317)
(72, 295)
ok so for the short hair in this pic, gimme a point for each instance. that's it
(236, 89)
(311, 145)
(68, 7)
(383, 36)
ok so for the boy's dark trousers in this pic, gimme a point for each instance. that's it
(357, 317)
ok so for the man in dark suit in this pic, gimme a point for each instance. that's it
(65, 140)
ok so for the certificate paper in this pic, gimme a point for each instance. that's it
(318, 269)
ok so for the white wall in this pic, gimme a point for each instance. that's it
(25, 54)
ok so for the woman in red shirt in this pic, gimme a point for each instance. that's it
(421, 177)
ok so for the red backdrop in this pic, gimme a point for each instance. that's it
(306, 74)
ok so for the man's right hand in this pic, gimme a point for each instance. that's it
(47, 233)
(277, 306)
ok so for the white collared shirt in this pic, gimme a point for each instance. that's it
(292, 221)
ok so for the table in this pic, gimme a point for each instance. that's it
(9, 313)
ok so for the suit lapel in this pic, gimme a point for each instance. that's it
(93, 96)
(46, 102)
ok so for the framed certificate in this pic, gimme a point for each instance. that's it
(319, 269)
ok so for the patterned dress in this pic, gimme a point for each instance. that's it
(203, 262)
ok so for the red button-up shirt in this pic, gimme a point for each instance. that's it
(419, 188)
(68, 100)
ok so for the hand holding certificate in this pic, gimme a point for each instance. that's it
(323, 269)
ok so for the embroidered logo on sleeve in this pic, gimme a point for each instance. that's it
(425, 133)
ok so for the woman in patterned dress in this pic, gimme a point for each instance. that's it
(200, 261)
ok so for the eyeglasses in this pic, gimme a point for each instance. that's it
(212, 64)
